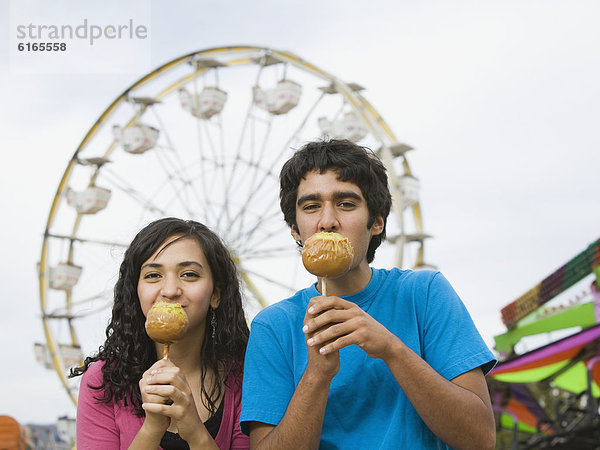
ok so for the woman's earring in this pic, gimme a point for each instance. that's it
(213, 323)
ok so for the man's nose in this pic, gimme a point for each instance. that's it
(328, 220)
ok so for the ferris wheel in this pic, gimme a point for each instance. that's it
(204, 137)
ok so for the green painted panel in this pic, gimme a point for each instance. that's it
(530, 375)
(506, 421)
(581, 315)
(575, 380)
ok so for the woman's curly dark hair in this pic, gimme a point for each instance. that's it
(128, 351)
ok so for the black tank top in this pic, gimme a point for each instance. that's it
(172, 441)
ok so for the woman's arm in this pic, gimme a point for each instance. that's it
(96, 427)
(155, 425)
(168, 399)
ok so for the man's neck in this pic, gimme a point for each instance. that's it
(350, 283)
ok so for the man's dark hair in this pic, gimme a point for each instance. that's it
(352, 163)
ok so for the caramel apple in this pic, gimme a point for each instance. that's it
(327, 254)
(166, 323)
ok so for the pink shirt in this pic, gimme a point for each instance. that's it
(114, 426)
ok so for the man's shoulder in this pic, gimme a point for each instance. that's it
(405, 276)
(284, 309)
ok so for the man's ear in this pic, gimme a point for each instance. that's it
(295, 234)
(378, 225)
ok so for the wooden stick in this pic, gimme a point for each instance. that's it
(166, 351)
(324, 286)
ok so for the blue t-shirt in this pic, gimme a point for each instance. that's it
(366, 407)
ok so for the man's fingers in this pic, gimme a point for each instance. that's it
(320, 304)
(327, 318)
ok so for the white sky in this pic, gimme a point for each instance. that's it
(501, 101)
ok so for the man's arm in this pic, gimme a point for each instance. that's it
(302, 422)
(459, 412)
(301, 425)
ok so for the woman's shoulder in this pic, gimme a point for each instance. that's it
(235, 374)
(93, 374)
(233, 387)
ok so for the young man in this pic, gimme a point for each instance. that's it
(389, 359)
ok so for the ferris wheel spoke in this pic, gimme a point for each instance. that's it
(84, 307)
(252, 193)
(272, 217)
(219, 126)
(86, 240)
(275, 240)
(176, 195)
(256, 188)
(252, 188)
(118, 182)
(254, 220)
(169, 153)
(216, 155)
(259, 157)
(285, 147)
(176, 175)
(180, 169)
(176, 178)
(202, 160)
(218, 166)
(267, 253)
(237, 155)
(204, 123)
(268, 279)
(304, 121)
(77, 315)
(256, 185)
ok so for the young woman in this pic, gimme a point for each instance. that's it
(130, 397)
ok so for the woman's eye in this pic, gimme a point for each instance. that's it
(151, 275)
(190, 275)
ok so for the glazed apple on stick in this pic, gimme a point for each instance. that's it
(327, 255)
(166, 323)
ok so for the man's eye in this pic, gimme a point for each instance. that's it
(346, 205)
(310, 206)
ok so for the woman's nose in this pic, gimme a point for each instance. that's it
(170, 287)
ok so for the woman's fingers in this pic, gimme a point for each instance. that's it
(171, 392)
(168, 385)
(166, 375)
(178, 402)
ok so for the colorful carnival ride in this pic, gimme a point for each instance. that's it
(548, 396)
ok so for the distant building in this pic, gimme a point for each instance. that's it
(57, 436)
